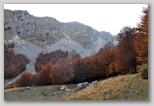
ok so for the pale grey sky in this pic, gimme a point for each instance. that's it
(102, 17)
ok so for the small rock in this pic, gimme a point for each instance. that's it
(55, 93)
(16, 37)
(94, 82)
(27, 88)
(63, 88)
(23, 89)
(123, 98)
(110, 78)
(10, 82)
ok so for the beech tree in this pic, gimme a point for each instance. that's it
(125, 55)
(61, 72)
(53, 57)
(44, 75)
(141, 39)
(141, 44)
(104, 58)
(26, 79)
(79, 71)
(13, 64)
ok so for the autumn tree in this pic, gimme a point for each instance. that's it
(79, 71)
(84, 70)
(53, 57)
(55, 74)
(36, 80)
(26, 79)
(125, 55)
(141, 39)
(68, 70)
(44, 75)
(141, 44)
(97, 66)
(111, 71)
(14, 64)
(62, 72)
(44, 59)
(103, 59)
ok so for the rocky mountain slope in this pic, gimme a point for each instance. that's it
(44, 31)
(33, 35)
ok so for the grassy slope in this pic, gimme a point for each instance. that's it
(127, 87)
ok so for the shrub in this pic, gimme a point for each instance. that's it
(144, 74)
(13, 85)
(26, 79)
(144, 71)
(112, 71)
(142, 67)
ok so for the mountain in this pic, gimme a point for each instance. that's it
(33, 35)
(44, 31)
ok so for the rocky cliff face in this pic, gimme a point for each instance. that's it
(44, 31)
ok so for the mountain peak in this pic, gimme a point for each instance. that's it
(16, 15)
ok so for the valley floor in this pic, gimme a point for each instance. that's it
(127, 87)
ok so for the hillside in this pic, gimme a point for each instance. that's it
(46, 59)
(33, 35)
(127, 87)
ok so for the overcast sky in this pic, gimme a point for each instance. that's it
(102, 17)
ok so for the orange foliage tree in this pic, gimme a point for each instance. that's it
(44, 75)
(53, 57)
(62, 72)
(106, 57)
(83, 70)
(13, 64)
(56, 74)
(125, 55)
(95, 67)
(141, 39)
(26, 79)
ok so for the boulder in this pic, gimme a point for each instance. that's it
(82, 85)
(63, 88)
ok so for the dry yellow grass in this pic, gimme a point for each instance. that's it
(127, 87)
